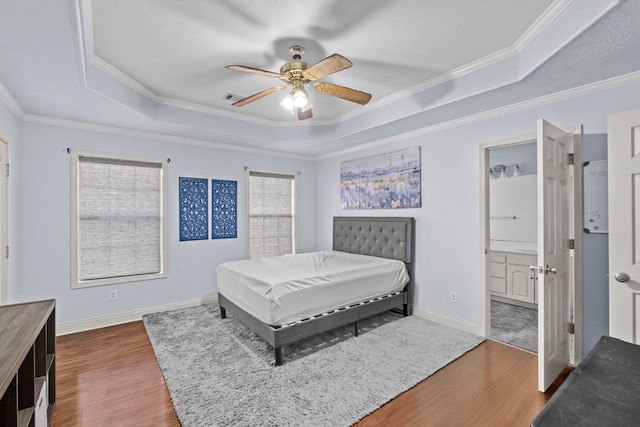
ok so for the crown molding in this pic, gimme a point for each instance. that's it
(532, 103)
(497, 112)
(550, 15)
(553, 12)
(540, 24)
(10, 102)
(73, 124)
(469, 68)
(15, 108)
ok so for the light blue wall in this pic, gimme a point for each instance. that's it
(10, 132)
(42, 223)
(595, 262)
(448, 241)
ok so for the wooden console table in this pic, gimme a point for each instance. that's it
(27, 364)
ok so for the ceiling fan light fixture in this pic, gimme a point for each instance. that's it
(287, 103)
(307, 106)
(296, 74)
(300, 97)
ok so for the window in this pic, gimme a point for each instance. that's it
(271, 214)
(117, 219)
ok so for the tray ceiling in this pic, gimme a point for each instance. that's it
(177, 50)
(155, 68)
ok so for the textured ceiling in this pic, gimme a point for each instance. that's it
(157, 66)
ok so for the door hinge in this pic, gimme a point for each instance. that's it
(7, 170)
(7, 252)
(570, 158)
(572, 328)
(572, 244)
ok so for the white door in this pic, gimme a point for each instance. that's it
(555, 193)
(624, 226)
(4, 282)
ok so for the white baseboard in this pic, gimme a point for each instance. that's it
(447, 321)
(132, 316)
(129, 316)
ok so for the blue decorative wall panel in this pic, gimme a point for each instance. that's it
(224, 209)
(194, 202)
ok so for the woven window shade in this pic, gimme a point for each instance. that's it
(120, 218)
(270, 214)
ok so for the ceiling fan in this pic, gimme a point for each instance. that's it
(298, 74)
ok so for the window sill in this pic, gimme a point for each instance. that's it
(116, 280)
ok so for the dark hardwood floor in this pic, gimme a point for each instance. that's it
(110, 377)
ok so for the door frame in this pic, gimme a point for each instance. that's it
(623, 294)
(575, 292)
(5, 294)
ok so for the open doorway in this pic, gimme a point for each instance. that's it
(558, 288)
(513, 245)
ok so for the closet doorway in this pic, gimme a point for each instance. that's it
(513, 245)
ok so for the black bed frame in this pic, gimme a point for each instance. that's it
(386, 237)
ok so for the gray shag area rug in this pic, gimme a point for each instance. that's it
(219, 373)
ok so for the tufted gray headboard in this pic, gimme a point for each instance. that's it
(386, 237)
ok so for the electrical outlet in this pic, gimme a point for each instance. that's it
(113, 295)
(453, 297)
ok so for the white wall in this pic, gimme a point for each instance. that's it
(448, 250)
(41, 226)
(513, 209)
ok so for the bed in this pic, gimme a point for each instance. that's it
(285, 299)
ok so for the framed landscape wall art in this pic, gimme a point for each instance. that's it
(383, 181)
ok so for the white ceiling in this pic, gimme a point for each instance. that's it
(177, 50)
(155, 68)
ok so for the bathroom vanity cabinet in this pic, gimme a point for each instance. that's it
(510, 278)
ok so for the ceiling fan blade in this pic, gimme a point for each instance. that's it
(327, 66)
(257, 96)
(343, 92)
(306, 114)
(255, 71)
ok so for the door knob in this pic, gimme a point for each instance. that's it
(548, 270)
(622, 277)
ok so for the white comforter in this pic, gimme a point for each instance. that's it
(285, 289)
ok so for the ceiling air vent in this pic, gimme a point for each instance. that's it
(231, 97)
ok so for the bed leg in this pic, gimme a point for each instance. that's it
(355, 326)
(278, 353)
(405, 310)
(223, 313)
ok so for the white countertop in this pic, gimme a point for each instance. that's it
(517, 247)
